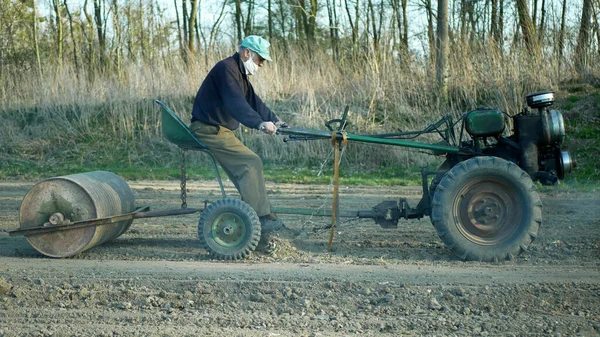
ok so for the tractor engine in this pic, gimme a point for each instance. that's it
(535, 142)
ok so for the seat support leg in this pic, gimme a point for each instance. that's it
(183, 181)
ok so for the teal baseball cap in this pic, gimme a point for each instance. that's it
(258, 45)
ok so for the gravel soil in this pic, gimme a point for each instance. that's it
(156, 280)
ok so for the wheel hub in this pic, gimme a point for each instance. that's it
(486, 212)
(228, 230)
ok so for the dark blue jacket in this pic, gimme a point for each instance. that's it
(227, 98)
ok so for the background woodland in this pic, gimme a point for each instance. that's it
(78, 78)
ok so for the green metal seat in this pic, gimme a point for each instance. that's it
(178, 133)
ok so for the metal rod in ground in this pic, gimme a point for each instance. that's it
(334, 207)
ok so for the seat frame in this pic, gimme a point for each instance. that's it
(178, 133)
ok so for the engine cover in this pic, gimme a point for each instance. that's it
(484, 122)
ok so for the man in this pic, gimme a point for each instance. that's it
(226, 98)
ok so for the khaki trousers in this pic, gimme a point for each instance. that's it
(244, 167)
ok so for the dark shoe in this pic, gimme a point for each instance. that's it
(270, 223)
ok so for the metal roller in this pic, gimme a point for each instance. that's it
(62, 200)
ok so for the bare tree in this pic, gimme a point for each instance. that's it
(238, 19)
(59, 31)
(561, 33)
(282, 14)
(89, 36)
(98, 18)
(270, 19)
(494, 21)
(118, 35)
(430, 31)
(192, 23)
(333, 28)
(596, 25)
(73, 40)
(500, 37)
(353, 25)
(527, 27)
(178, 21)
(36, 44)
(442, 49)
(541, 28)
(312, 20)
(249, 17)
(376, 26)
(405, 24)
(186, 29)
(583, 39)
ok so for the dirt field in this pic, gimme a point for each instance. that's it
(155, 280)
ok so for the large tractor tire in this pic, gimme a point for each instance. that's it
(229, 229)
(446, 166)
(486, 209)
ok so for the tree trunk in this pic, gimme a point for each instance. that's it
(501, 24)
(542, 28)
(583, 39)
(527, 28)
(442, 49)
(118, 36)
(561, 33)
(191, 24)
(312, 20)
(100, 31)
(238, 19)
(179, 32)
(281, 13)
(186, 29)
(430, 32)
(405, 24)
(91, 55)
(143, 33)
(353, 26)
(596, 25)
(75, 60)
(270, 19)
(36, 45)
(331, 15)
(249, 17)
(463, 20)
(303, 19)
(197, 24)
(494, 22)
(59, 31)
(374, 27)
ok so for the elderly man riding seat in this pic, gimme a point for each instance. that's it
(225, 99)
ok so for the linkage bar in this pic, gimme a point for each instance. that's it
(143, 212)
(367, 139)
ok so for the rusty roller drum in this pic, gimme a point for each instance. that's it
(65, 199)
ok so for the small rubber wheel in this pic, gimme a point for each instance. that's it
(486, 209)
(229, 229)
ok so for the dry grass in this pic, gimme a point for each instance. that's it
(62, 117)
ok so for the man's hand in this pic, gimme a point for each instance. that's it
(268, 128)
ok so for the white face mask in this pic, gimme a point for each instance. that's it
(250, 66)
